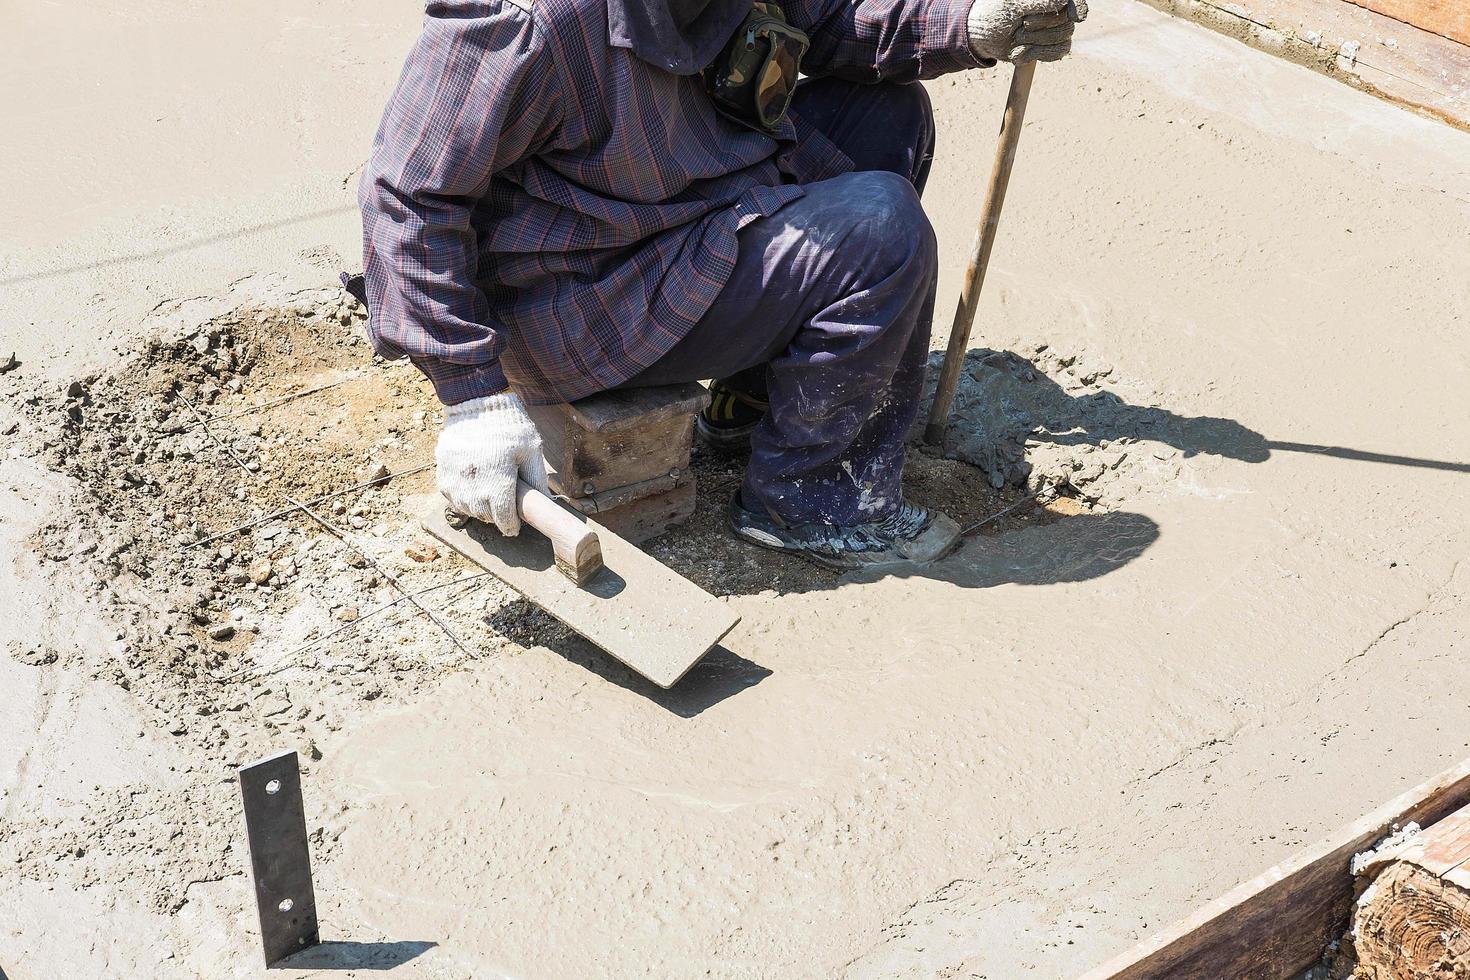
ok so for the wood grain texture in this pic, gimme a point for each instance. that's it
(618, 438)
(1278, 923)
(574, 543)
(640, 611)
(642, 518)
(1438, 849)
(631, 407)
(1394, 60)
(607, 500)
(1011, 123)
(1412, 925)
(1447, 18)
(1414, 921)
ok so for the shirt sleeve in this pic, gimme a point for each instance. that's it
(885, 40)
(476, 95)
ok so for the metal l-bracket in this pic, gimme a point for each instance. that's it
(275, 824)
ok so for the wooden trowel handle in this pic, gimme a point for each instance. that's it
(578, 552)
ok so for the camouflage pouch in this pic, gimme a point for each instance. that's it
(754, 77)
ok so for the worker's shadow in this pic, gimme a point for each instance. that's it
(1010, 416)
(1003, 400)
(1068, 549)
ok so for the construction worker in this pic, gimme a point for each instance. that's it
(571, 196)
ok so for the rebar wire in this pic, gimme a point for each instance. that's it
(392, 579)
(316, 500)
(303, 648)
(340, 534)
(269, 404)
(217, 441)
(1039, 497)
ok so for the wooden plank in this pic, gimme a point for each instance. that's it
(595, 462)
(601, 503)
(1278, 923)
(1447, 18)
(637, 609)
(1390, 59)
(1458, 876)
(648, 517)
(1415, 920)
(618, 438)
(1438, 849)
(1446, 845)
(1412, 925)
(629, 407)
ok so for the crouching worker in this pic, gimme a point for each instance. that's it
(571, 196)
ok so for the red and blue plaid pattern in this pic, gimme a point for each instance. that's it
(545, 211)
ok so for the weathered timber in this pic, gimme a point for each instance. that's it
(605, 501)
(574, 545)
(1277, 924)
(647, 516)
(1396, 61)
(618, 438)
(1447, 18)
(1414, 919)
(1412, 925)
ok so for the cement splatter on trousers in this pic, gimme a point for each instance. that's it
(829, 311)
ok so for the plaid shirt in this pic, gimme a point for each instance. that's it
(546, 211)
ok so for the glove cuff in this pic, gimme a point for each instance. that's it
(987, 25)
(507, 402)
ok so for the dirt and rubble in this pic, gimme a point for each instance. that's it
(150, 536)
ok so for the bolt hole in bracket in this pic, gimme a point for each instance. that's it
(275, 826)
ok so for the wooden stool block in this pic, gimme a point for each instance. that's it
(619, 438)
(642, 518)
(622, 457)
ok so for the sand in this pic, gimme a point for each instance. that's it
(1225, 320)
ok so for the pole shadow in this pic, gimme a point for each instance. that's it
(1004, 400)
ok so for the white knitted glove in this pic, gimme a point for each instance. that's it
(485, 445)
(1024, 30)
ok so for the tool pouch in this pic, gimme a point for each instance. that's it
(754, 77)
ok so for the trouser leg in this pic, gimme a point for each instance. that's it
(880, 127)
(831, 297)
(842, 398)
(827, 315)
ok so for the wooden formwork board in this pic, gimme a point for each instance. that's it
(1424, 71)
(1447, 18)
(1278, 924)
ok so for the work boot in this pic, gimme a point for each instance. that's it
(731, 416)
(909, 534)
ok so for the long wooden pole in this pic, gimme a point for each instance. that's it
(995, 198)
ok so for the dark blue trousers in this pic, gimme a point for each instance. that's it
(829, 309)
